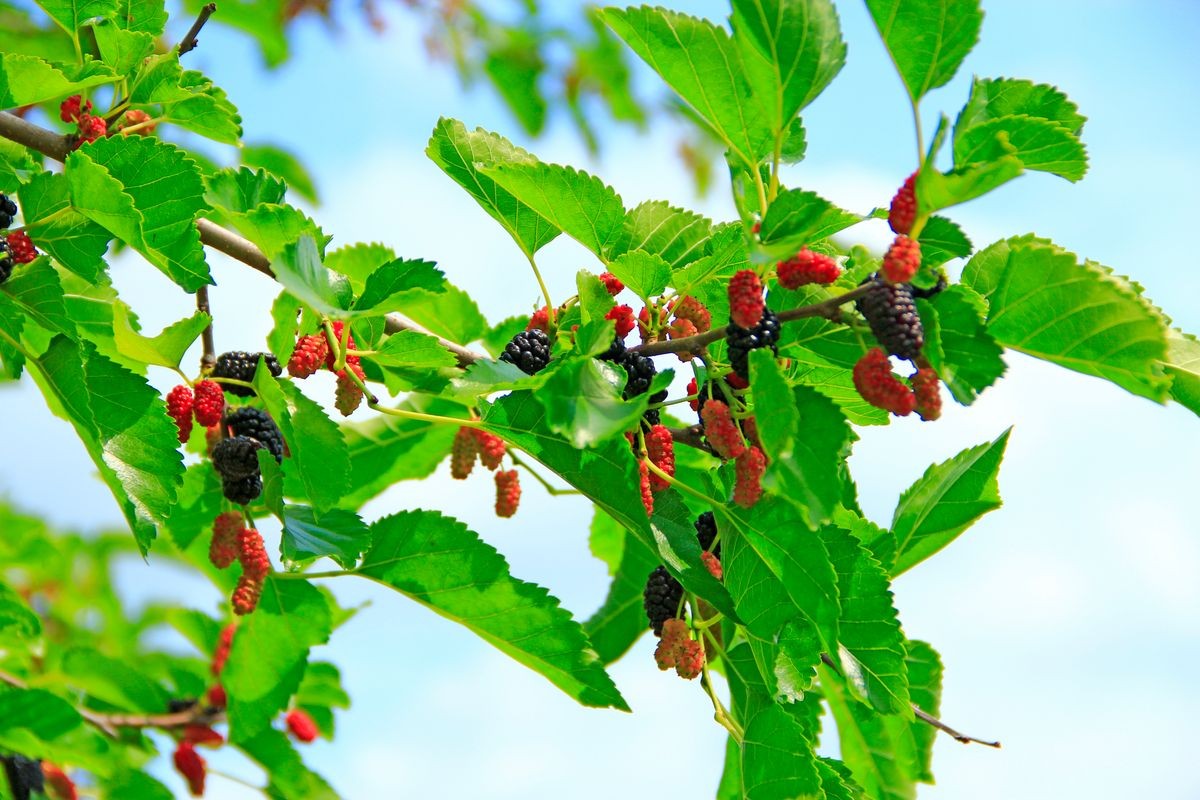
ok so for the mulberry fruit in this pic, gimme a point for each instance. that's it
(529, 351)
(745, 299)
(644, 488)
(693, 391)
(689, 659)
(301, 725)
(202, 735)
(91, 128)
(6, 261)
(59, 785)
(309, 355)
(540, 320)
(615, 352)
(71, 109)
(674, 634)
(491, 448)
(252, 554)
(662, 598)
(240, 366)
(348, 394)
(21, 247)
(721, 431)
(807, 267)
(649, 331)
(927, 392)
(623, 317)
(902, 260)
(713, 564)
(706, 532)
(747, 487)
(224, 646)
(179, 408)
(653, 415)
(693, 310)
(216, 697)
(223, 550)
(640, 371)
(236, 457)
(210, 403)
(508, 492)
(660, 449)
(242, 491)
(134, 118)
(742, 340)
(330, 357)
(903, 211)
(24, 776)
(877, 385)
(462, 454)
(892, 314)
(257, 424)
(246, 595)
(191, 766)
(612, 283)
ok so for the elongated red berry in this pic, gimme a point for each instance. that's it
(223, 550)
(210, 403)
(73, 107)
(540, 320)
(179, 408)
(301, 725)
(330, 356)
(712, 564)
(224, 646)
(135, 117)
(202, 736)
(927, 390)
(903, 212)
(693, 391)
(491, 448)
(623, 317)
(660, 449)
(720, 429)
(612, 283)
(747, 486)
(807, 267)
(681, 329)
(746, 299)
(462, 454)
(246, 595)
(644, 486)
(348, 394)
(216, 696)
(693, 310)
(253, 554)
(191, 766)
(310, 354)
(875, 382)
(21, 247)
(508, 492)
(59, 785)
(902, 260)
(750, 428)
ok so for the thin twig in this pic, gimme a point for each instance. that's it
(941, 726)
(189, 41)
(208, 358)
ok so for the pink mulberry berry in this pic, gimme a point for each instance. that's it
(747, 487)
(902, 260)
(875, 382)
(903, 212)
(746, 299)
(720, 429)
(508, 492)
(807, 267)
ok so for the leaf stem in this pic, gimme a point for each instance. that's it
(678, 484)
(400, 412)
(537, 273)
(552, 490)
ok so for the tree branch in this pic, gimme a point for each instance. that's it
(231, 244)
(189, 42)
(692, 437)
(208, 355)
(941, 726)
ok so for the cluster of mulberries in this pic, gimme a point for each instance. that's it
(879, 386)
(471, 444)
(807, 267)
(205, 404)
(235, 456)
(89, 128)
(10, 255)
(239, 365)
(312, 352)
(651, 323)
(676, 648)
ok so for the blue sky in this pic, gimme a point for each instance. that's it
(1069, 620)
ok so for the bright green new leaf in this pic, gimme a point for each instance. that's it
(927, 39)
(941, 240)
(1037, 143)
(276, 226)
(390, 285)
(144, 16)
(451, 314)
(413, 350)
(702, 63)
(16, 618)
(584, 405)
(915, 738)
(1183, 365)
(300, 271)
(71, 14)
(25, 80)
(1079, 316)
(644, 274)
(798, 218)
(463, 155)
(75, 241)
(945, 501)
(164, 350)
(674, 537)
(778, 759)
(440, 563)
(658, 228)
(240, 190)
(515, 67)
(995, 98)
(36, 289)
(286, 772)
(282, 164)
(122, 50)
(270, 652)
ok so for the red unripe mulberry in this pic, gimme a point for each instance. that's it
(179, 408)
(745, 299)
(875, 382)
(612, 283)
(693, 391)
(191, 766)
(903, 212)
(540, 320)
(902, 260)
(660, 449)
(720, 429)
(202, 735)
(71, 109)
(693, 310)
(712, 564)
(644, 486)
(253, 554)
(21, 247)
(508, 492)
(223, 550)
(210, 403)
(807, 267)
(58, 784)
(135, 116)
(927, 391)
(301, 725)
(348, 394)
(462, 454)
(491, 448)
(224, 646)
(310, 354)
(689, 659)
(91, 128)
(216, 696)
(623, 317)
(330, 359)
(246, 595)
(747, 487)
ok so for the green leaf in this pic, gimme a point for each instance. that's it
(1183, 365)
(274, 227)
(36, 721)
(925, 685)
(59, 229)
(300, 271)
(391, 285)
(451, 314)
(866, 746)
(702, 63)
(164, 350)
(38, 292)
(135, 785)
(958, 344)
(359, 261)
(446, 567)
(270, 651)
(515, 66)
(240, 190)
(798, 218)
(285, 312)
(578, 204)
(463, 155)
(927, 39)
(71, 14)
(1037, 143)
(945, 501)
(282, 164)
(644, 274)
(837, 782)
(122, 50)
(621, 620)
(822, 357)
(793, 50)
(112, 680)
(16, 618)
(674, 537)
(25, 80)
(144, 16)
(996, 98)
(147, 192)
(1079, 316)
(583, 402)
(288, 776)
(937, 190)
(941, 240)
(871, 649)
(778, 762)
(338, 534)
(414, 351)
(318, 453)
(658, 228)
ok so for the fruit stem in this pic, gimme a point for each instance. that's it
(400, 412)
(519, 462)
(678, 484)
(542, 284)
